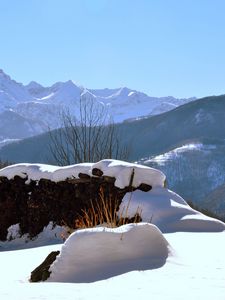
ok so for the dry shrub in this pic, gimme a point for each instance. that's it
(104, 212)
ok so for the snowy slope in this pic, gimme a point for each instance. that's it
(43, 104)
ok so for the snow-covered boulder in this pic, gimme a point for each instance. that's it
(95, 254)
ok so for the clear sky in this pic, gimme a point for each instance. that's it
(161, 47)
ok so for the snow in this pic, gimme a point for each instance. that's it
(8, 141)
(100, 253)
(51, 234)
(168, 211)
(122, 171)
(195, 270)
(119, 169)
(13, 232)
(170, 155)
(176, 253)
(39, 171)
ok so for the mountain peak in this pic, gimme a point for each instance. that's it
(33, 85)
(4, 75)
(71, 83)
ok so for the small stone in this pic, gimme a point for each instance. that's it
(97, 172)
(144, 187)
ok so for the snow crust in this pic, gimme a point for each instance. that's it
(119, 169)
(95, 254)
(168, 211)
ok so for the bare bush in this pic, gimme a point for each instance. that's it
(88, 137)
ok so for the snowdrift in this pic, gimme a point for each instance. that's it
(169, 211)
(95, 254)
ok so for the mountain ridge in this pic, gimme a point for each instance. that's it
(43, 104)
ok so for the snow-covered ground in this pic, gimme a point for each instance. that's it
(176, 253)
(195, 270)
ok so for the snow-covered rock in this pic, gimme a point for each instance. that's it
(95, 254)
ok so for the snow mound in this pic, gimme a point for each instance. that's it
(95, 254)
(168, 211)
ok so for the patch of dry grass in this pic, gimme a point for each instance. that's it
(104, 212)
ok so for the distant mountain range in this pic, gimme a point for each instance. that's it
(28, 110)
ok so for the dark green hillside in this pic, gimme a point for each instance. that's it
(31, 150)
(201, 119)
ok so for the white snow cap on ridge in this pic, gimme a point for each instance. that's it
(121, 170)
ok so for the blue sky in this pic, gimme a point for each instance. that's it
(161, 47)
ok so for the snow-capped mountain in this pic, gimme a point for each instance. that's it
(42, 105)
(11, 92)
